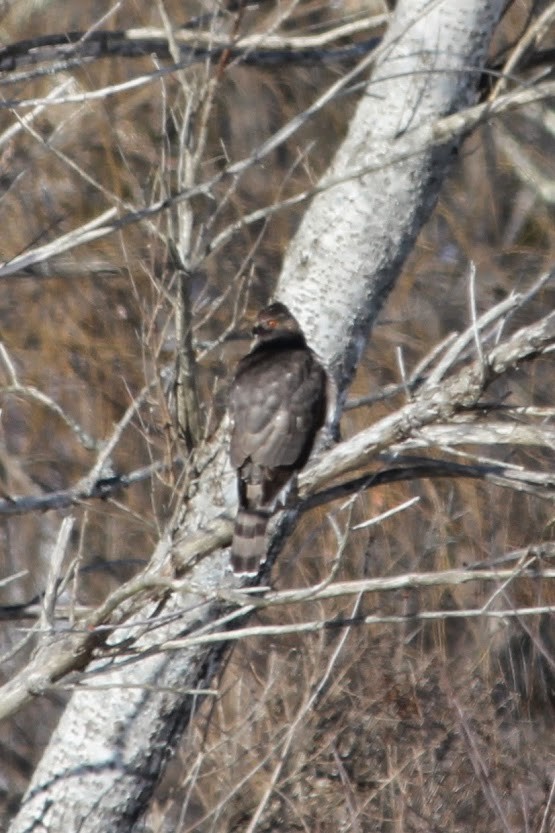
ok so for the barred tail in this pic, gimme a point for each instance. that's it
(248, 550)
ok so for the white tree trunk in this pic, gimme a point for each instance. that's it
(352, 241)
(110, 747)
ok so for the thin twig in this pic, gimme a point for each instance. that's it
(405, 147)
(481, 770)
(548, 804)
(535, 31)
(474, 315)
(319, 625)
(30, 392)
(56, 558)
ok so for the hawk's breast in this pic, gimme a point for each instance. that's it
(277, 406)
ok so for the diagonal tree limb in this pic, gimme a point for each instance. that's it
(440, 403)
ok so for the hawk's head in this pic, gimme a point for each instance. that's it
(275, 321)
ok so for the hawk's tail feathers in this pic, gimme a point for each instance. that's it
(248, 549)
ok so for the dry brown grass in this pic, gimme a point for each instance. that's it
(433, 727)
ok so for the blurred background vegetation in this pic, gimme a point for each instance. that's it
(418, 728)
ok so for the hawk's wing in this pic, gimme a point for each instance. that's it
(277, 405)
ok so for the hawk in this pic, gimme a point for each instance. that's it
(277, 405)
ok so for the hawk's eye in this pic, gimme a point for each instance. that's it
(271, 323)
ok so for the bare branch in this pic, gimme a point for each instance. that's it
(457, 394)
(91, 230)
(193, 46)
(56, 559)
(186, 393)
(30, 392)
(410, 144)
(532, 35)
(102, 488)
(319, 625)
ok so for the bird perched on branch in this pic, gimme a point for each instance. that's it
(277, 405)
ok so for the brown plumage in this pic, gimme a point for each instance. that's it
(277, 405)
